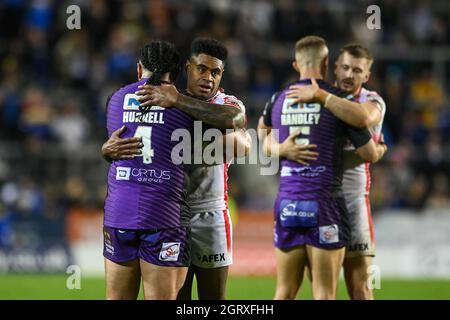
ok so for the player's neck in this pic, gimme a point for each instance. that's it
(357, 92)
(308, 73)
(145, 75)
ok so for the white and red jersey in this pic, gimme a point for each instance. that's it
(356, 181)
(207, 188)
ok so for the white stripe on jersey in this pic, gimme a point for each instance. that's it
(356, 181)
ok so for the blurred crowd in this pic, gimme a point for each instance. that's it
(54, 83)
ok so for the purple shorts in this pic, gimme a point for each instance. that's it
(320, 223)
(165, 247)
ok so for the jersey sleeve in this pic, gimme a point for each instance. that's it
(379, 102)
(113, 112)
(108, 114)
(107, 102)
(235, 102)
(357, 136)
(267, 113)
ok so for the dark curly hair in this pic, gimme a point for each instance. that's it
(210, 47)
(160, 57)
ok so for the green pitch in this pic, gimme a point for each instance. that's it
(39, 287)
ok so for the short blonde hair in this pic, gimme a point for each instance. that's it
(358, 51)
(310, 51)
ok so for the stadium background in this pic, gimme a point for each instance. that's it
(53, 87)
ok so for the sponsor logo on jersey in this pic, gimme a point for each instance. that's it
(123, 173)
(358, 247)
(169, 251)
(329, 234)
(142, 175)
(150, 175)
(290, 107)
(302, 213)
(219, 257)
(130, 102)
(290, 211)
(109, 248)
(302, 171)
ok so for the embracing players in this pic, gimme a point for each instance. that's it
(352, 71)
(146, 220)
(311, 222)
(211, 237)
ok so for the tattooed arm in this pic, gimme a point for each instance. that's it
(214, 115)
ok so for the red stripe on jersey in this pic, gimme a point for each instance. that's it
(227, 229)
(368, 179)
(225, 212)
(369, 217)
(226, 165)
(369, 214)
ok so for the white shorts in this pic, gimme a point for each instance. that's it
(362, 242)
(211, 239)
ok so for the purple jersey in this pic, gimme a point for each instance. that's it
(147, 191)
(323, 177)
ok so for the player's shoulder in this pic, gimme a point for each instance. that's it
(128, 88)
(126, 92)
(274, 97)
(221, 95)
(227, 99)
(371, 95)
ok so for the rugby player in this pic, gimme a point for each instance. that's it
(352, 71)
(146, 218)
(211, 229)
(310, 214)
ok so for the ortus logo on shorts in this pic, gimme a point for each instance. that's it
(169, 251)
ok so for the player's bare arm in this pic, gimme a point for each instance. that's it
(361, 115)
(352, 159)
(372, 151)
(289, 149)
(212, 114)
(262, 129)
(117, 148)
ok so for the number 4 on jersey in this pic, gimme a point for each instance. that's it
(147, 151)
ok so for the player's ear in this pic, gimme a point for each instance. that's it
(324, 67)
(325, 63)
(367, 76)
(295, 66)
(139, 70)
